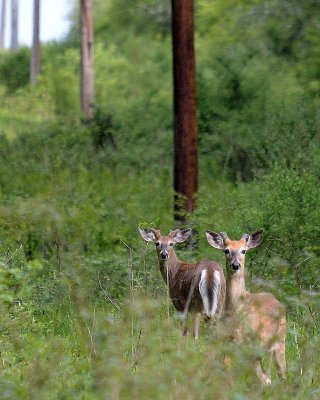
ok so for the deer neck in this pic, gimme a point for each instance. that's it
(236, 290)
(169, 267)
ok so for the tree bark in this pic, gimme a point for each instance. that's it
(185, 124)
(14, 25)
(87, 95)
(35, 56)
(3, 24)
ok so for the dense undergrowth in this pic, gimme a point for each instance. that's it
(85, 313)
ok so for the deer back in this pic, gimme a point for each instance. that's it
(185, 282)
(262, 316)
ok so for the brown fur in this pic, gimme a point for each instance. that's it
(183, 278)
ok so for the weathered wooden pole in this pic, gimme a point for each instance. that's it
(14, 25)
(86, 24)
(35, 56)
(3, 24)
(185, 124)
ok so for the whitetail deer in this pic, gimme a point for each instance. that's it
(258, 315)
(197, 288)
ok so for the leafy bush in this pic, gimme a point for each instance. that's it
(285, 205)
(60, 79)
(85, 312)
(139, 106)
(14, 69)
(261, 115)
(12, 268)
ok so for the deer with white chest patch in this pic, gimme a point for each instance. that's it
(257, 315)
(197, 288)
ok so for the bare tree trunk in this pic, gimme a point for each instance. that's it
(35, 56)
(14, 25)
(87, 58)
(3, 24)
(185, 124)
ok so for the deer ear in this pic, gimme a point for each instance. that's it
(149, 235)
(254, 239)
(180, 235)
(216, 240)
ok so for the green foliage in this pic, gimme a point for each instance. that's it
(291, 248)
(12, 267)
(139, 17)
(261, 116)
(85, 312)
(60, 79)
(14, 69)
(256, 104)
(138, 105)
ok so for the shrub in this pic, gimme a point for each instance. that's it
(285, 204)
(14, 69)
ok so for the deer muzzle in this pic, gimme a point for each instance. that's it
(164, 255)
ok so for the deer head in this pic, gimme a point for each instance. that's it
(165, 244)
(234, 250)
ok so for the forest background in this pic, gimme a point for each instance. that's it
(85, 313)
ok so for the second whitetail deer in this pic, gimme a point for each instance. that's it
(257, 315)
(197, 288)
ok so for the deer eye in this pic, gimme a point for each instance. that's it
(170, 244)
(227, 251)
(243, 251)
(157, 244)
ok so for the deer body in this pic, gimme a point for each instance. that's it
(197, 288)
(183, 276)
(251, 315)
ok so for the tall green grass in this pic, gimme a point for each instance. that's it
(85, 312)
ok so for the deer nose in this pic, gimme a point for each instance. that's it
(235, 266)
(163, 255)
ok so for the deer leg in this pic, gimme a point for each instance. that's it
(227, 361)
(263, 377)
(280, 351)
(184, 326)
(185, 330)
(280, 360)
(196, 323)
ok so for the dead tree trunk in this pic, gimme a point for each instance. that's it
(87, 58)
(3, 24)
(14, 25)
(35, 56)
(185, 124)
